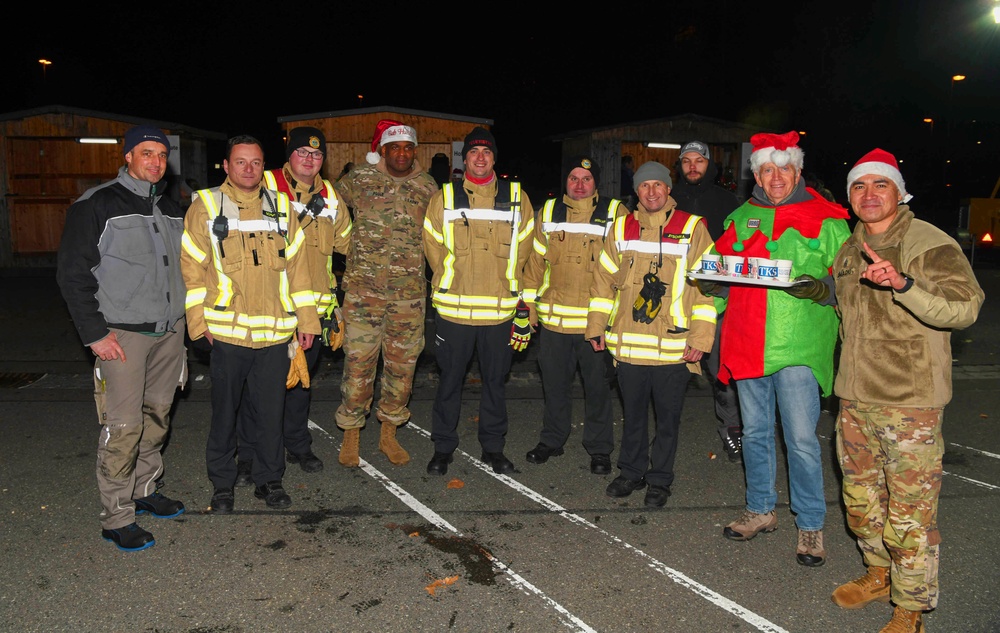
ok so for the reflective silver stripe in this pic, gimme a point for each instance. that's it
(573, 227)
(653, 248)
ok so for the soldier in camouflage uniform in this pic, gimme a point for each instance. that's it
(901, 286)
(385, 287)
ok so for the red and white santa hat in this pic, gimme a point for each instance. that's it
(389, 131)
(779, 149)
(880, 163)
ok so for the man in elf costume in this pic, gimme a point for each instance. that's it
(777, 347)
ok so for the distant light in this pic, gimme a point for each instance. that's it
(801, 133)
(996, 14)
(99, 140)
(987, 237)
(928, 120)
(44, 62)
(958, 78)
(664, 145)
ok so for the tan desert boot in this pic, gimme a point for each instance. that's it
(388, 444)
(904, 621)
(860, 592)
(349, 449)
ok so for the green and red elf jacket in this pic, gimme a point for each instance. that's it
(765, 329)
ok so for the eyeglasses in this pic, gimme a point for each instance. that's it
(304, 153)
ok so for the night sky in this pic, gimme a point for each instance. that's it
(852, 75)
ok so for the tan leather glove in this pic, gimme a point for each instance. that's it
(298, 369)
(333, 330)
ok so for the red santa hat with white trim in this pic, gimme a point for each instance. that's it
(389, 131)
(880, 163)
(780, 149)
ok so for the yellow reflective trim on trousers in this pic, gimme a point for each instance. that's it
(195, 296)
(225, 285)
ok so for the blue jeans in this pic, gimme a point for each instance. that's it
(797, 394)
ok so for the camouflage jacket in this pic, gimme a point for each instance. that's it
(386, 255)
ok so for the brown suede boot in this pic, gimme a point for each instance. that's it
(387, 444)
(349, 449)
(904, 621)
(873, 586)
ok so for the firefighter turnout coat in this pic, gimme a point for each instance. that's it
(240, 260)
(666, 243)
(325, 228)
(477, 239)
(569, 237)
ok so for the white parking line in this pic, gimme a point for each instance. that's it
(751, 618)
(518, 581)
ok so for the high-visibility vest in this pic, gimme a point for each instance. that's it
(506, 209)
(322, 289)
(274, 218)
(553, 218)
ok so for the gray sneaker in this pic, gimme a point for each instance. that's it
(749, 525)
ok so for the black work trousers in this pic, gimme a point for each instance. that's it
(558, 358)
(262, 373)
(298, 439)
(454, 344)
(666, 384)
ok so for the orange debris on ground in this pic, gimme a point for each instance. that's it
(455, 484)
(443, 582)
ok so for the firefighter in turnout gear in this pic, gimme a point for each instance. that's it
(248, 291)
(569, 238)
(656, 323)
(477, 238)
(326, 227)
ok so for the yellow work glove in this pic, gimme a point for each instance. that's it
(333, 328)
(647, 305)
(520, 331)
(298, 369)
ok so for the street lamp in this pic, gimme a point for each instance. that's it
(931, 121)
(45, 64)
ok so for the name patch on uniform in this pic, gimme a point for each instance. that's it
(753, 223)
(676, 236)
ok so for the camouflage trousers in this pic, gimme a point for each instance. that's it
(891, 460)
(394, 330)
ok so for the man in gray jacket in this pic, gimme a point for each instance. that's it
(119, 272)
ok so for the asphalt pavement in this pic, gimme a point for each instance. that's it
(389, 548)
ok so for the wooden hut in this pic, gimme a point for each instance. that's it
(46, 163)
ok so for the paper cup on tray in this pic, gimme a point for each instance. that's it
(710, 264)
(767, 269)
(784, 269)
(732, 265)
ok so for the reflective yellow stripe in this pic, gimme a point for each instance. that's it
(225, 283)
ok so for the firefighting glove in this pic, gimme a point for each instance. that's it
(298, 369)
(520, 331)
(647, 304)
(333, 327)
(808, 287)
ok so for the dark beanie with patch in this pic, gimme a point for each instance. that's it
(479, 137)
(584, 162)
(305, 137)
(143, 133)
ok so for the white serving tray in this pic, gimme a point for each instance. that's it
(749, 281)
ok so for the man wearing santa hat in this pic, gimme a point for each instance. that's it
(778, 348)
(902, 286)
(385, 287)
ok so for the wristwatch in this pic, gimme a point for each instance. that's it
(908, 284)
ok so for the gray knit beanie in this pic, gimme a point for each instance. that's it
(652, 171)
